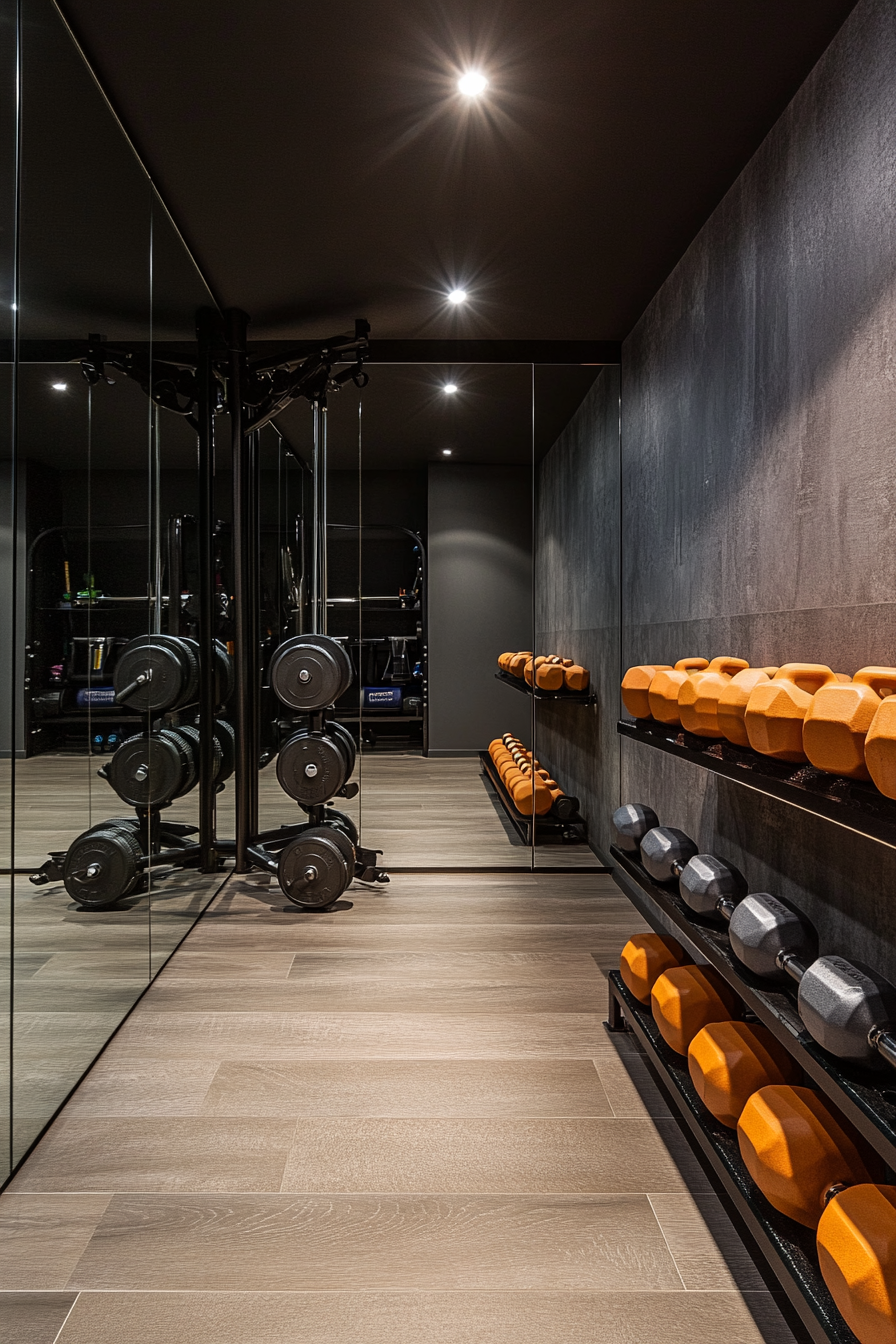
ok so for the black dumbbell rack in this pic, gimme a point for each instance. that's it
(545, 828)
(536, 693)
(858, 806)
(868, 1100)
(788, 1247)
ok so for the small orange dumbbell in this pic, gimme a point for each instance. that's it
(636, 684)
(729, 1061)
(839, 719)
(776, 709)
(733, 702)
(698, 696)
(645, 958)
(798, 1151)
(686, 999)
(857, 1256)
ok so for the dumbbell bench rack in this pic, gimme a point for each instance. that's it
(571, 831)
(857, 806)
(869, 1105)
(788, 1247)
(536, 693)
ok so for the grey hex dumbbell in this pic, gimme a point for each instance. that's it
(770, 938)
(707, 885)
(631, 822)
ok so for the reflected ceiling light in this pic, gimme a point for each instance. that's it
(457, 296)
(472, 84)
(59, 387)
(450, 388)
(446, 452)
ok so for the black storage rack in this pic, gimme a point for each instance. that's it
(571, 831)
(535, 692)
(788, 1247)
(857, 806)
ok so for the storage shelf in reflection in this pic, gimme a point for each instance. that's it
(535, 693)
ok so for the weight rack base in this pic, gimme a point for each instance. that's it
(868, 1104)
(788, 1247)
(547, 829)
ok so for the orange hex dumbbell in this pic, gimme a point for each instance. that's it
(662, 696)
(698, 696)
(798, 1151)
(685, 999)
(733, 702)
(635, 686)
(776, 709)
(645, 958)
(839, 719)
(729, 1061)
(856, 1244)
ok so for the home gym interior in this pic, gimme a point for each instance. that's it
(447, 751)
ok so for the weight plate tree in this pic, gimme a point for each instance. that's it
(312, 767)
(316, 867)
(102, 867)
(310, 672)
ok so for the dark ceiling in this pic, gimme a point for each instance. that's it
(322, 166)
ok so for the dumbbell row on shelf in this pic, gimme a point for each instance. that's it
(529, 785)
(847, 1007)
(805, 1159)
(799, 712)
(547, 672)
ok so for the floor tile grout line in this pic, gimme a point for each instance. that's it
(666, 1241)
(67, 1315)
(374, 1194)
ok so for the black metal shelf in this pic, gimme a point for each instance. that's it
(867, 1100)
(857, 806)
(535, 693)
(548, 829)
(788, 1247)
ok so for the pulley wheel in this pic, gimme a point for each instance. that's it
(311, 767)
(310, 672)
(339, 730)
(340, 821)
(313, 871)
(148, 771)
(226, 739)
(101, 867)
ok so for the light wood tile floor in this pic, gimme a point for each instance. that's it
(403, 1121)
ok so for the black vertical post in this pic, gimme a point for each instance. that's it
(205, 332)
(246, 763)
(175, 571)
(253, 549)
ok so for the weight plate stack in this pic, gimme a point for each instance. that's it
(191, 737)
(101, 867)
(226, 739)
(314, 869)
(171, 669)
(340, 730)
(150, 770)
(309, 672)
(312, 767)
(223, 673)
(341, 822)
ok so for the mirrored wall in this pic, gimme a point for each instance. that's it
(99, 494)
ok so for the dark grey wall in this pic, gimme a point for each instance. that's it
(480, 602)
(758, 421)
(577, 600)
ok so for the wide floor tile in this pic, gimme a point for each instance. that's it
(365, 1242)
(159, 1154)
(43, 1236)
(121, 1086)
(529, 1317)
(298, 934)
(408, 1088)
(33, 1318)
(438, 964)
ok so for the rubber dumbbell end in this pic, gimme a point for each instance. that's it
(709, 886)
(849, 1010)
(857, 1258)
(769, 938)
(631, 822)
(665, 852)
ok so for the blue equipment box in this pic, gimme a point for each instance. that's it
(97, 695)
(382, 697)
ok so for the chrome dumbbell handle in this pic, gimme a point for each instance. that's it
(884, 1042)
(790, 963)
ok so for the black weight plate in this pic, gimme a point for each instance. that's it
(311, 767)
(116, 824)
(226, 739)
(343, 822)
(340, 730)
(345, 845)
(188, 651)
(100, 868)
(223, 673)
(147, 771)
(192, 738)
(169, 676)
(186, 741)
(314, 851)
(309, 672)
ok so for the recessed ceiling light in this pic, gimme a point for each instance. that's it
(457, 296)
(446, 452)
(59, 387)
(450, 388)
(472, 84)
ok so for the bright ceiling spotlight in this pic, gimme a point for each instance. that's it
(472, 84)
(457, 296)
(446, 452)
(59, 387)
(450, 388)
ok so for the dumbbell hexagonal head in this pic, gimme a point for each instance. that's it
(665, 851)
(764, 931)
(844, 1006)
(857, 1258)
(631, 823)
(709, 886)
